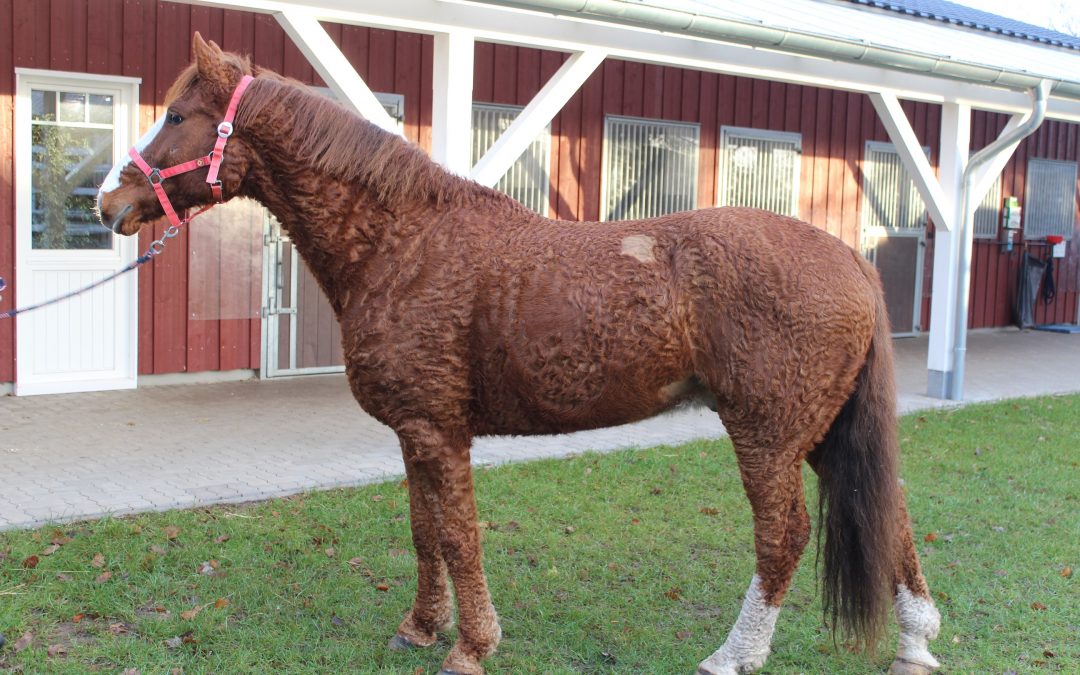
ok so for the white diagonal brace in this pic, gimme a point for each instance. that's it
(541, 109)
(340, 75)
(984, 176)
(915, 161)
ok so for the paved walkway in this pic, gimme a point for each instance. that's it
(76, 456)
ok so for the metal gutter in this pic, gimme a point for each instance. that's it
(1039, 96)
(755, 34)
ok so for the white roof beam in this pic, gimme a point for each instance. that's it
(332, 66)
(540, 111)
(451, 113)
(918, 166)
(534, 29)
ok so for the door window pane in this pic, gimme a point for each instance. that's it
(70, 158)
(650, 167)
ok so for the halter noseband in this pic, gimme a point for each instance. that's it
(156, 176)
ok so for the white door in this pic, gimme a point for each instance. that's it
(69, 130)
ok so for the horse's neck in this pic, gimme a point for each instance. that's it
(337, 228)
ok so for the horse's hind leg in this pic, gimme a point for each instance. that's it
(915, 612)
(433, 609)
(773, 481)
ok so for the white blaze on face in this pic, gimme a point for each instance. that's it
(112, 181)
(747, 645)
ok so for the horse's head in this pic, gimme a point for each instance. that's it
(187, 132)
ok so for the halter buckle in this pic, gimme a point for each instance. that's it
(154, 177)
(225, 129)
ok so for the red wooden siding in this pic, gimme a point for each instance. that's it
(151, 40)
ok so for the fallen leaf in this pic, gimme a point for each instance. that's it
(206, 568)
(158, 550)
(355, 562)
(118, 628)
(930, 537)
(683, 634)
(569, 529)
(956, 639)
(191, 613)
(673, 593)
(221, 603)
(31, 562)
(130, 671)
(222, 539)
(709, 511)
(60, 539)
(1067, 572)
(103, 577)
(382, 587)
(57, 650)
(635, 521)
(23, 642)
(1049, 654)
(49, 550)
(376, 498)
(98, 561)
(329, 552)
(172, 532)
(189, 638)
(77, 618)
(1038, 606)
(173, 642)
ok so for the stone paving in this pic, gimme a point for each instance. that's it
(75, 456)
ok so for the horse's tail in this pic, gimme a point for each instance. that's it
(859, 495)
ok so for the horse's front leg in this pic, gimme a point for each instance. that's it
(433, 610)
(441, 476)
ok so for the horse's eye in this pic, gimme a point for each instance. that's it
(173, 118)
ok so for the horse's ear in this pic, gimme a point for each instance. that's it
(209, 63)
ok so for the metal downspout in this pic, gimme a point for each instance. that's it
(1039, 96)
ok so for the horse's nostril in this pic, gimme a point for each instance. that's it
(115, 224)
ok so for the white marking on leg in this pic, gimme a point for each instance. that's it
(747, 645)
(112, 180)
(639, 246)
(919, 624)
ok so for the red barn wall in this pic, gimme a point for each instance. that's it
(151, 40)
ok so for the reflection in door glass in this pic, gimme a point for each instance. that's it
(70, 158)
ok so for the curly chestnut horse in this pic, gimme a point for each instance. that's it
(465, 314)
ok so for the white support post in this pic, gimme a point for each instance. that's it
(540, 111)
(911, 153)
(332, 66)
(986, 173)
(955, 140)
(451, 115)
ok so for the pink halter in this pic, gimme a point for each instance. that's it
(156, 176)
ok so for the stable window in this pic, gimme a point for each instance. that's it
(891, 202)
(529, 178)
(1050, 203)
(650, 167)
(988, 213)
(760, 169)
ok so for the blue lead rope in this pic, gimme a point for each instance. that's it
(155, 249)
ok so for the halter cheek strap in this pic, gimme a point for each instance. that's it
(213, 160)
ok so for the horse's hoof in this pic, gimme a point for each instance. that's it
(400, 643)
(903, 667)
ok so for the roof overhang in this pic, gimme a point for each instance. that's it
(724, 45)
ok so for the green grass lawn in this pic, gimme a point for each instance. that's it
(627, 562)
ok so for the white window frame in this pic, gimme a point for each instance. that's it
(729, 133)
(607, 157)
(539, 151)
(876, 230)
(1033, 229)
